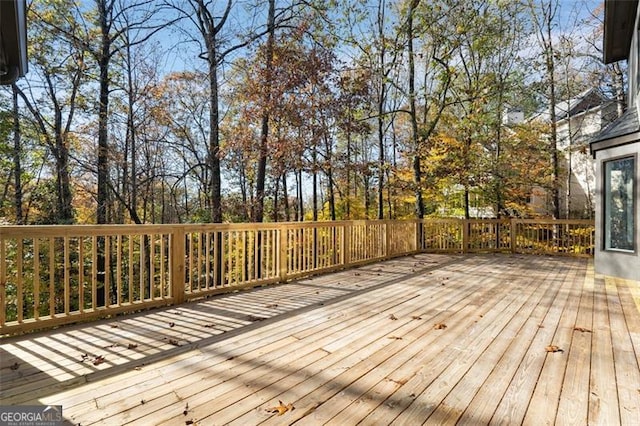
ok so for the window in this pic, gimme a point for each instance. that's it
(619, 208)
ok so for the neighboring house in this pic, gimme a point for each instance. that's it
(617, 154)
(577, 121)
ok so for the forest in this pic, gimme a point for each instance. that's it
(190, 111)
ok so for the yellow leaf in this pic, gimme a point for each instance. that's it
(281, 408)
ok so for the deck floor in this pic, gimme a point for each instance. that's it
(427, 339)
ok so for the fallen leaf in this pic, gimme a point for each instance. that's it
(186, 409)
(209, 325)
(142, 402)
(281, 408)
(188, 422)
(440, 326)
(174, 342)
(132, 346)
(357, 274)
(176, 313)
(392, 317)
(138, 368)
(394, 337)
(582, 329)
(553, 348)
(15, 366)
(272, 306)
(254, 318)
(416, 317)
(84, 357)
(113, 325)
(98, 360)
(172, 324)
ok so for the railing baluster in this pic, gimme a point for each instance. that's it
(19, 280)
(36, 279)
(67, 270)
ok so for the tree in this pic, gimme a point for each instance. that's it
(52, 93)
(544, 15)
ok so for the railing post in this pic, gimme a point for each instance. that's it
(465, 235)
(419, 235)
(346, 244)
(387, 239)
(282, 253)
(177, 264)
(512, 233)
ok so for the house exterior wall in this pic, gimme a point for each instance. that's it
(608, 262)
(577, 202)
(614, 146)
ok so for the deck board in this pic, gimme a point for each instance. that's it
(357, 347)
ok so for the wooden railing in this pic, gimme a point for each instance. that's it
(53, 275)
(553, 237)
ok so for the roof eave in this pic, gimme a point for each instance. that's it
(619, 21)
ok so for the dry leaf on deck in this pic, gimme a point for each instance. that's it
(272, 306)
(582, 329)
(132, 346)
(209, 325)
(15, 366)
(281, 408)
(254, 318)
(416, 317)
(114, 325)
(174, 342)
(553, 348)
(392, 317)
(440, 326)
(357, 274)
(394, 337)
(98, 360)
(172, 324)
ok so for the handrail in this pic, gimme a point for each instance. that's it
(60, 274)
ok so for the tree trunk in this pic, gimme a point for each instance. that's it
(417, 173)
(618, 84)
(381, 103)
(285, 200)
(17, 159)
(315, 184)
(264, 128)
(276, 189)
(300, 201)
(215, 186)
(102, 196)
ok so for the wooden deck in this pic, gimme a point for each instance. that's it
(433, 339)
